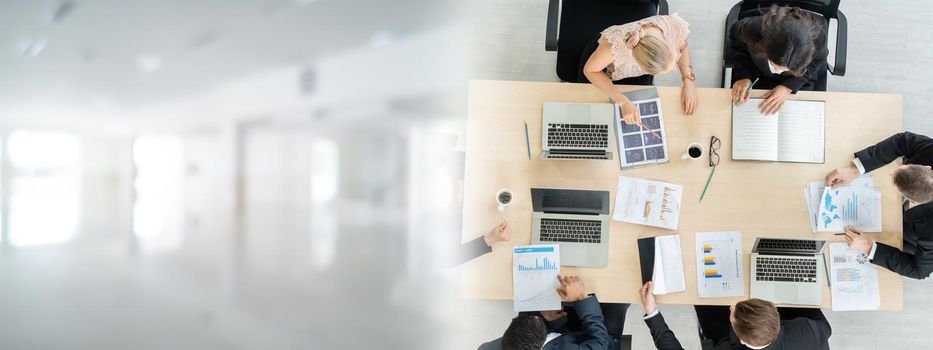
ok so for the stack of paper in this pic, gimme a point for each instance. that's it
(719, 264)
(854, 280)
(856, 204)
(647, 202)
(534, 277)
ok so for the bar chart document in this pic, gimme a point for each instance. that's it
(534, 277)
(795, 134)
(859, 207)
(854, 280)
(813, 195)
(645, 202)
(719, 264)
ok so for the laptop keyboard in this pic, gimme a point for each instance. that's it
(574, 231)
(787, 244)
(554, 155)
(577, 135)
(785, 269)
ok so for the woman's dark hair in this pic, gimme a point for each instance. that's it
(525, 333)
(786, 36)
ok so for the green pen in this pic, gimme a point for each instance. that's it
(707, 183)
(827, 272)
(747, 90)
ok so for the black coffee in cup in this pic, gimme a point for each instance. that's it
(505, 197)
(695, 152)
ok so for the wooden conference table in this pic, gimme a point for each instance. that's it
(756, 198)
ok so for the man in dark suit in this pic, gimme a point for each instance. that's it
(749, 324)
(913, 180)
(580, 326)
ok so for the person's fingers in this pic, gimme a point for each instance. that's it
(693, 105)
(735, 92)
(763, 106)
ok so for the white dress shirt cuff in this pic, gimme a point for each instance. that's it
(858, 164)
(653, 313)
(871, 254)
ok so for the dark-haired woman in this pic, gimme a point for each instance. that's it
(784, 48)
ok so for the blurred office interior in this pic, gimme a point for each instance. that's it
(250, 174)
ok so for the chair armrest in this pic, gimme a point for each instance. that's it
(553, 18)
(839, 68)
(663, 7)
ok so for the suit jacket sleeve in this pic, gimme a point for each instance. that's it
(472, 250)
(816, 65)
(595, 335)
(742, 65)
(917, 266)
(904, 144)
(664, 338)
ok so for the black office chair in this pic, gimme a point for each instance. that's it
(582, 20)
(829, 9)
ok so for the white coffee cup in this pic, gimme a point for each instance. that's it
(503, 199)
(694, 151)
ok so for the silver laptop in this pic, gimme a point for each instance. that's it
(577, 220)
(786, 271)
(577, 130)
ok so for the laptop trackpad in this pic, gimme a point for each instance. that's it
(578, 113)
(785, 293)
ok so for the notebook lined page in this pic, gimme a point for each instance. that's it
(801, 132)
(754, 135)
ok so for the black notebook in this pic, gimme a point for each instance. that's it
(646, 258)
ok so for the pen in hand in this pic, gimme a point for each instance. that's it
(745, 94)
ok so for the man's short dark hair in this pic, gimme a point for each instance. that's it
(915, 182)
(525, 333)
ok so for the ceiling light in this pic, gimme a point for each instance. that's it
(31, 48)
(148, 63)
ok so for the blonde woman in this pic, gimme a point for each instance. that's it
(654, 45)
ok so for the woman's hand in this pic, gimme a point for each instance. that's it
(688, 97)
(738, 91)
(629, 111)
(774, 100)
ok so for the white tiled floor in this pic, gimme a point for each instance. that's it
(888, 51)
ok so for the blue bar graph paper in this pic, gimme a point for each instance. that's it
(546, 265)
(850, 212)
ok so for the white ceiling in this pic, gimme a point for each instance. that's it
(91, 56)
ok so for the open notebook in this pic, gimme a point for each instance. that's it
(795, 134)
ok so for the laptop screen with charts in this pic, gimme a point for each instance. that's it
(576, 131)
(577, 220)
(786, 270)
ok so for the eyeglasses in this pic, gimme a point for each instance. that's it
(714, 145)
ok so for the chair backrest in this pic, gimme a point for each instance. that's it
(581, 20)
(827, 8)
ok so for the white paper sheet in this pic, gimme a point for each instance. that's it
(754, 135)
(854, 280)
(720, 271)
(534, 277)
(668, 275)
(647, 202)
(801, 131)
